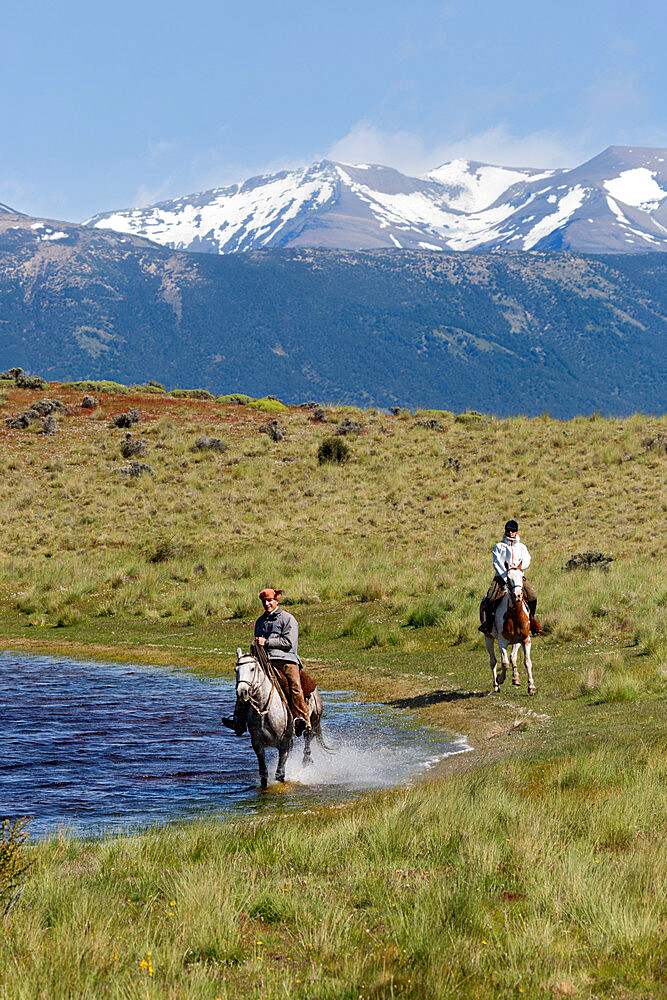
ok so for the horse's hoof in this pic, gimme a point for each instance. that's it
(496, 689)
(307, 761)
(280, 777)
(532, 690)
(516, 682)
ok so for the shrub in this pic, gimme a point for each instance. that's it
(14, 864)
(165, 550)
(203, 443)
(191, 394)
(274, 431)
(102, 386)
(21, 420)
(431, 424)
(589, 560)
(135, 469)
(239, 398)
(269, 404)
(47, 406)
(348, 426)
(333, 450)
(89, 403)
(132, 447)
(30, 382)
(655, 443)
(126, 419)
(49, 425)
(469, 417)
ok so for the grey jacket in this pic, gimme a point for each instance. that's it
(281, 632)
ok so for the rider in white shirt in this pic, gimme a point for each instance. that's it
(509, 552)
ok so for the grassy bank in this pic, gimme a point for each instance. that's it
(534, 868)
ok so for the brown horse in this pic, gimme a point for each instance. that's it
(511, 628)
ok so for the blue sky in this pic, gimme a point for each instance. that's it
(108, 105)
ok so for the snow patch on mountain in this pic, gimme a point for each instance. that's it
(567, 205)
(475, 186)
(637, 187)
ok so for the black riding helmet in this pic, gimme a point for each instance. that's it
(511, 526)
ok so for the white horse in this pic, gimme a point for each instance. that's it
(511, 627)
(268, 722)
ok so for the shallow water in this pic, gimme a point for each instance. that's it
(98, 747)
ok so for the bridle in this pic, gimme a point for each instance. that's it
(255, 683)
(511, 590)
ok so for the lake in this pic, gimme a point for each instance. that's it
(94, 747)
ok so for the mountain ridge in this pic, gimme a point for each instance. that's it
(510, 332)
(615, 202)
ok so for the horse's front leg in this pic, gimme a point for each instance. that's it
(261, 763)
(283, 750)
(529, 666)
(514, 657)
(307, 755)
(504, 659)
(498, 677)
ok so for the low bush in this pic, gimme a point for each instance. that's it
(469, 417)
(165, 550)
(333, 450)
(135, 469)
(102, 386)
(126, 419)
(269, 405)
(191, 394)
(49, 425)
(238, 398)
(589, 560)
(273, 430)
(203, 443)
(14, 862)
(24, 381)
(348, 426)
(133, 447)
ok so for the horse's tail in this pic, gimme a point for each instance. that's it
(317, 733)
(315, 720)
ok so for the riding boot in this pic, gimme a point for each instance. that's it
(535, 627)
(487, 615)
(239, 720)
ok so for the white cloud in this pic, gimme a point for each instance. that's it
(408, 152)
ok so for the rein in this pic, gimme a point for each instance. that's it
(258, 653)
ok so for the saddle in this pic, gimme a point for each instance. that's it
(308, 685)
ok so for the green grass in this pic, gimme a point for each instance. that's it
(533, 869)
(562, 879)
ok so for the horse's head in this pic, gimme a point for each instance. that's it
(515, 581)
(247, 670)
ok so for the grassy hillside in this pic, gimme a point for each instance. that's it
(532, 867)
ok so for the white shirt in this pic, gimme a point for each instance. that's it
(512, 551)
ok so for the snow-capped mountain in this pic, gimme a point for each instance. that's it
(616, 202)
